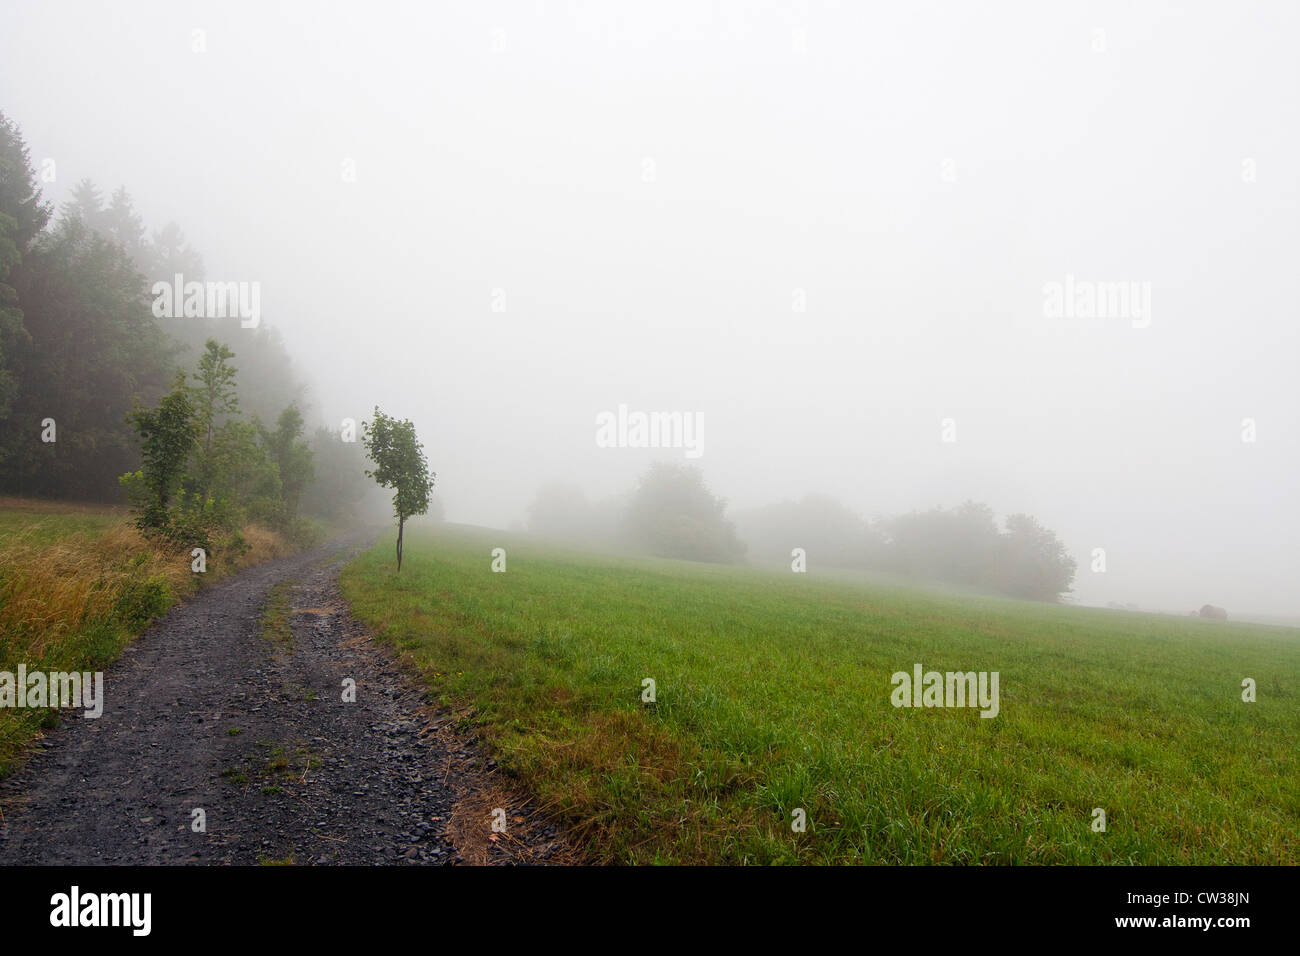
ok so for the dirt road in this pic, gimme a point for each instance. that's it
(204, 712)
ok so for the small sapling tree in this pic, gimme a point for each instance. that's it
(399, 464)
(167, 434)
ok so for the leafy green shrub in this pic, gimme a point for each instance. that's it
(236, 544)
(142, 600)
(101, 641)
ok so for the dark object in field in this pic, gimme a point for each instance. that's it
(1214, 613)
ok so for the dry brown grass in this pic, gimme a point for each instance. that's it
(72, 601)
(264, 545)
(48, 590)
(480, 793)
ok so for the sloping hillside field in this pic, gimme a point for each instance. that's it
(770, 733)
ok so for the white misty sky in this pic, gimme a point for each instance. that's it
(921, 171)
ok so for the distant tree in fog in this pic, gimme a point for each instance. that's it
(961, 546)
(964, 546)
(340, 475)
(292, 457)
(833, 535)
(1033, 563)
(958, 546)
(672, 514)
(23, 215)
(561, 511)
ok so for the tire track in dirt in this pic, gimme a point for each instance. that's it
(203, 711)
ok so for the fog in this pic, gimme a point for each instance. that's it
(820, 229)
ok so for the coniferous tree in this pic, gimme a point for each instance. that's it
(215, 399)
(23, 215)
(292, 458)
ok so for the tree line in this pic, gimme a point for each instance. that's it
(97, 393)
(672, 513)
(205, 470)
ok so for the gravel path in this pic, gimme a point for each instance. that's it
(205, 712)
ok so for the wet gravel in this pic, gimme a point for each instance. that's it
(204, 712)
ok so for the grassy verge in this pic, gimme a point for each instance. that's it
(77, 583)
(773, 695)
(275, 615)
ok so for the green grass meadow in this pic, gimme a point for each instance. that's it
(39, 523)
(773, 694)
